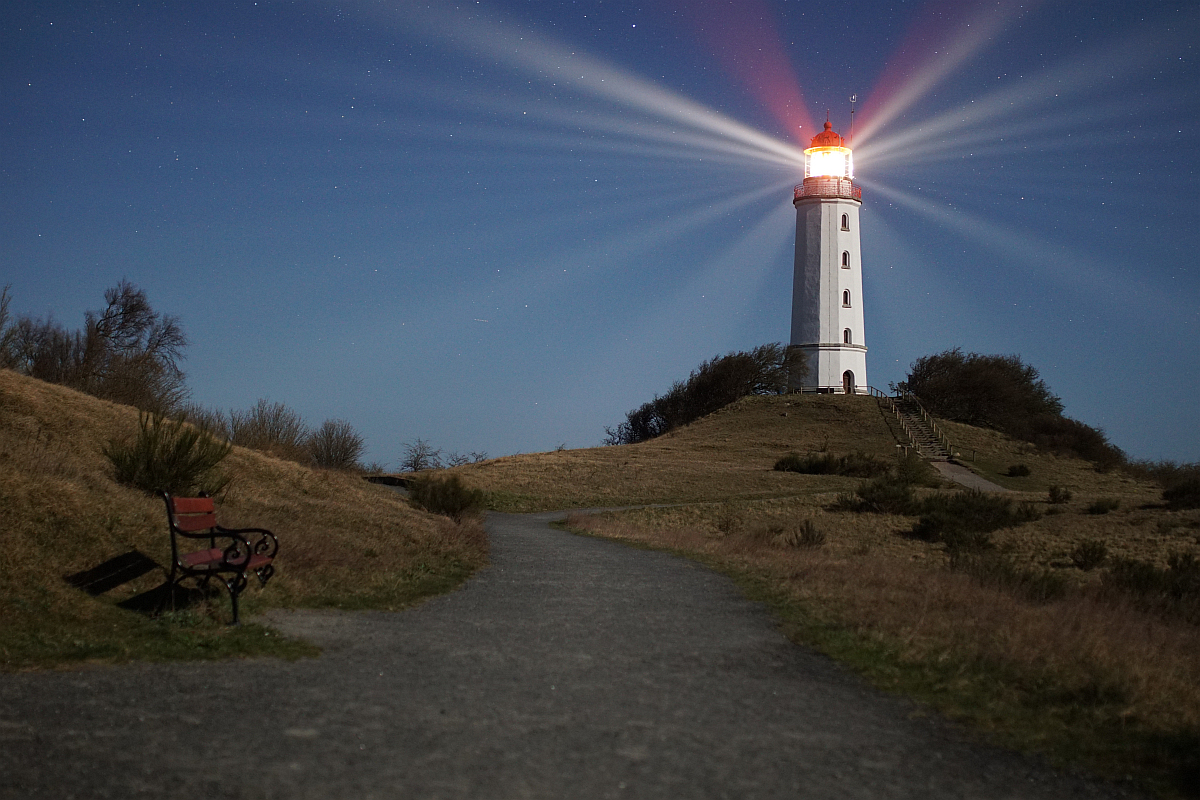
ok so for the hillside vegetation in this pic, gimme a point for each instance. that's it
(343, 542)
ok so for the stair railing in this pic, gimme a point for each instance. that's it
(942, 438)
(892, 404)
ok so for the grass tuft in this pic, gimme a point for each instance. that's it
(1104, 505)
(805, 534)
(1089, 554)
(1058, 495)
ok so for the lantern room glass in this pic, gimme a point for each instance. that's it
(828, 162)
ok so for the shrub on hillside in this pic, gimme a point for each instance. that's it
(169, 455)
(1183, 494)
(448, 496)
(1089, 554)
(962, 520)
(1018, 471)
(335, 445)
(1005, 394)
(853, 465)
(1104, 505)
(883, 495)
(767, 369)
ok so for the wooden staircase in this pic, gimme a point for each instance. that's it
(923, 433)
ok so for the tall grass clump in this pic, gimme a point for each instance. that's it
(853, 465)
(448, 496)
(169, 455)
(996, 570)
(1057, 495)
(1174, 590)
(803, 534)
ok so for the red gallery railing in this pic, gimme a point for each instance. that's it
(828, 187)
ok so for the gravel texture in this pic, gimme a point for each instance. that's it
(570, 667)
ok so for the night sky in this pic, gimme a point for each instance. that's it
(498, 226)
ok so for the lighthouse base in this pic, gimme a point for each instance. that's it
(834, 369)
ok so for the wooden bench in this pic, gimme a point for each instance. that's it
(248, 549)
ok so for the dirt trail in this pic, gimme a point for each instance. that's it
(569, 668)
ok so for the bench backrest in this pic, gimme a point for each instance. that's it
(190, 514)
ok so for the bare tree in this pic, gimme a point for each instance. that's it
(420, 455)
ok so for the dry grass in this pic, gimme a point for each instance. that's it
(344, 542)
(729, 454)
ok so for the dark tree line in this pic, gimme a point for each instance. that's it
(125, 352)
(767, 369)
(1005, 394)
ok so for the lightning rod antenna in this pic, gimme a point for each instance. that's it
(853, 100)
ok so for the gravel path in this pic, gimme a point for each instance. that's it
(964, 477)
(570, 668)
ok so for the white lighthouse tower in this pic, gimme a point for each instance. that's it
(827, 302)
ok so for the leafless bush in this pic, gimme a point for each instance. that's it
(420, 455)
(272, 428)
(335, 445)
(456, 459)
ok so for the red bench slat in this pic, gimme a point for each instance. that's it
(193, 505)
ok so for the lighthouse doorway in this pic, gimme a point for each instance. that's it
(848, 382)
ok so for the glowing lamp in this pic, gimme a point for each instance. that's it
(828, 157)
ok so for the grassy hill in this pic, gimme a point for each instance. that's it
(343, 542)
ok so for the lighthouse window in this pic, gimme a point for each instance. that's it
(846, 336)
(845, 222)
(846, 299)
(845, 259)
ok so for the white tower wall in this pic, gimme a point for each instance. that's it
(820, 317)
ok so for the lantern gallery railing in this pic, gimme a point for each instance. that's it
(828, 187)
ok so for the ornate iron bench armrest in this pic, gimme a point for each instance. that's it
(267, 544)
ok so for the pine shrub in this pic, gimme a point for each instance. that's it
(169, 455)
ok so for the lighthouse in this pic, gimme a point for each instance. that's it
(827, 302)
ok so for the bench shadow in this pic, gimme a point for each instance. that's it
(127, 567)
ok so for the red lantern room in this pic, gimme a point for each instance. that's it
(828, 168)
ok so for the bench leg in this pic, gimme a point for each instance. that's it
(235, 584)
